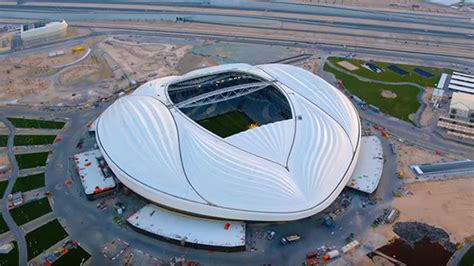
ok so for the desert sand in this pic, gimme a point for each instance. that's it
(408, 155)
(388, 94)
(428, 114)
(445, 204)
(4, 161)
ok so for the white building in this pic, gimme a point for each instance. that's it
(462, 82)
(462, 106)
(42, 31)
(369, 168)
(262, 143)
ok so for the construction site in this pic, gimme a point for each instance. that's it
(410, 195)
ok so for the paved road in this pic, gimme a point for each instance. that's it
(14, 229)
(83, 13)
(429, 35)
(302, 8)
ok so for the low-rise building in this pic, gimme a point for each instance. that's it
(40, 31)
(461, 82)
(462, 106)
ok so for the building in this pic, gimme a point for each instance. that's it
(368, 171)
(460, 122)
(437, 95)
(462, 82)
(462, 106)
(41, 31)
(238, 142)
(96, 177)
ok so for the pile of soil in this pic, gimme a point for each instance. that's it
(413, 232)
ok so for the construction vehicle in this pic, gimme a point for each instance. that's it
(269, 235)
(79, 48)
(289, 239)
(331, 255)
(310, 262)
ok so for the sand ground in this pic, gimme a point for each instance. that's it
(408, 155)
(446, 204)
(4, 161)
(428, 114)
(114, 61)
(347, 65)
(388, 94)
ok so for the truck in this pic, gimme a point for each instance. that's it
(289, 239)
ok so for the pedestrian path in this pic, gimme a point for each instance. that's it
(32, 225)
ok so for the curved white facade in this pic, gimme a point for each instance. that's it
(51, 29)
(285, 170)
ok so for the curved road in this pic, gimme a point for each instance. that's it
(14, 228)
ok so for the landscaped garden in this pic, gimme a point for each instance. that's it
(31, 160)
(44, 237)
(74, 257)
(3, 225)
(3, 140)
(412, 71)
(11, 258)
(27, 140)
(30, 211)
(400, 106)
(28, 183)
(35, 123)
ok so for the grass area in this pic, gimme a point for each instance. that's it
(390, 76)
(468, 258)
(227, 124)
(30, 211)
(3, 225)
(26, 140)
(3, 140)
(11, 258)
(73, 257)
(43, 238)
(30, 160)
(34, 123)
(28, 183)
(3, 187)
(401, 107)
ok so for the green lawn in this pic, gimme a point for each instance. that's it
(390, 76)
(30, 160)
(468, 258)
(3, 140)
(28, 183)
(401, 107)
(26, 140)
(3, 225)
(73, 257)
(3, 187)
(30, 211)
(34, 123)
(10, 259)
(44, 237)
(227, 124)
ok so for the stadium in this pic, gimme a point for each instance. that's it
(255, 143)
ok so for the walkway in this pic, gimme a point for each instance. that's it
(14, 229)
(36, 223)
(423, 137)
(419, 96)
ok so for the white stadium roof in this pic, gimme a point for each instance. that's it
(284, 170)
